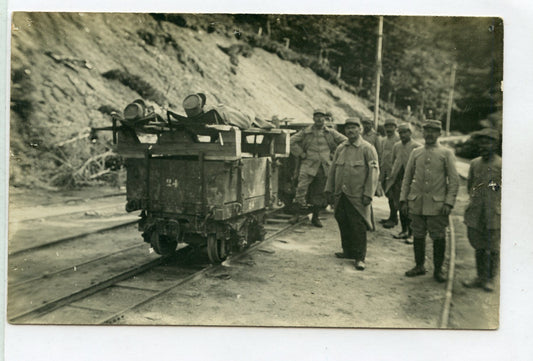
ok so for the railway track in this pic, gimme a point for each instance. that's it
(445, 314)
(133, 277)
(33, 228)
(75, 287)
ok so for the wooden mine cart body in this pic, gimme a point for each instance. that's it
(202, 184)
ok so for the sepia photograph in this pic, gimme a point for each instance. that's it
(255, 170)
(273, 171)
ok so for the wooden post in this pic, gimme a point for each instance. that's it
(287, 42)
(378, 72)
(268, 25)
(260, 31)
(339, 72)
(450, 99)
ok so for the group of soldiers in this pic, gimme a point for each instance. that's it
(420, 181)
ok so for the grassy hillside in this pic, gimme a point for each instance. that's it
(70, 70)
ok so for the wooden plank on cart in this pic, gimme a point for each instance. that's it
(216, 144)
(263, 142)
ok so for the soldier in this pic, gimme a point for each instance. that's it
(483, 214)
(353, 179)
(429, 190)
(369, 134)
(393, 183)
(314, 147)
(385, 161)
(194, 105)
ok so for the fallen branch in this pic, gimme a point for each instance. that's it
(85, 133)
(101, 173)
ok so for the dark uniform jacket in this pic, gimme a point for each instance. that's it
(355, 172)
(484, 186)
(430, 180)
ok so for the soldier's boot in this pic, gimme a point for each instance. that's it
(300, 209)
(439, 247)
(492, 270)
(480, 265)
(315, 221)
(419, 248)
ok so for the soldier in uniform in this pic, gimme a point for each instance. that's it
(393, 183)
(483, 214)
(429, 190)
(385, 161)
(369, 134)
(353, 178)
(314, 147)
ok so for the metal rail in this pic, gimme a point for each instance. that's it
(81, 294)
(63, 301)
(70, 268)
(116, 316)
(72, 238)
(64, 213)
(445, 315)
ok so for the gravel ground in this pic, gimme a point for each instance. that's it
(295, 280)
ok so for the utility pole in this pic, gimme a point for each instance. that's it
(450, 99)
(378, 72)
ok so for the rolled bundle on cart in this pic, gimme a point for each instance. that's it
(198, 180)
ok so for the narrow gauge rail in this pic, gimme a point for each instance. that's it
(38, 313)
(20, 218)
(445, 315)
(55, 242)
(67, 309)
(66, 200)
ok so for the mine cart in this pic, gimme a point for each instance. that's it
(200, 182)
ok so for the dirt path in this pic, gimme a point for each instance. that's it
(295, 280)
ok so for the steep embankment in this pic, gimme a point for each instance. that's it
(70, 70)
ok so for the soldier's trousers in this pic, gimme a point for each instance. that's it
(352, 227)
(393, 196)
(311, 189)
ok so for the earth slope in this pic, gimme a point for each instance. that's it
(70, 70)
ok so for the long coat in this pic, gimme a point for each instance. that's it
(385, 155)
(355, 172)
(484, 186)
(430, 180)
(317, 145)
(400, 156)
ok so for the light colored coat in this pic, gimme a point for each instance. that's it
(400, 156)
(317, 146)
(484, 186)
(430, 180)
(385, 154)
(355, 172)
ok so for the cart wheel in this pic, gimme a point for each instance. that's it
(216, 248)
(163, 244)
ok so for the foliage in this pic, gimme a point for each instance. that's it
(136, 83)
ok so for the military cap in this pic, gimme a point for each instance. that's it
(366, 120)
(353, 120)
(193, 104)
(404, 126)
(390, 121)
(320, 111)
(487, 132)
(435, 124)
